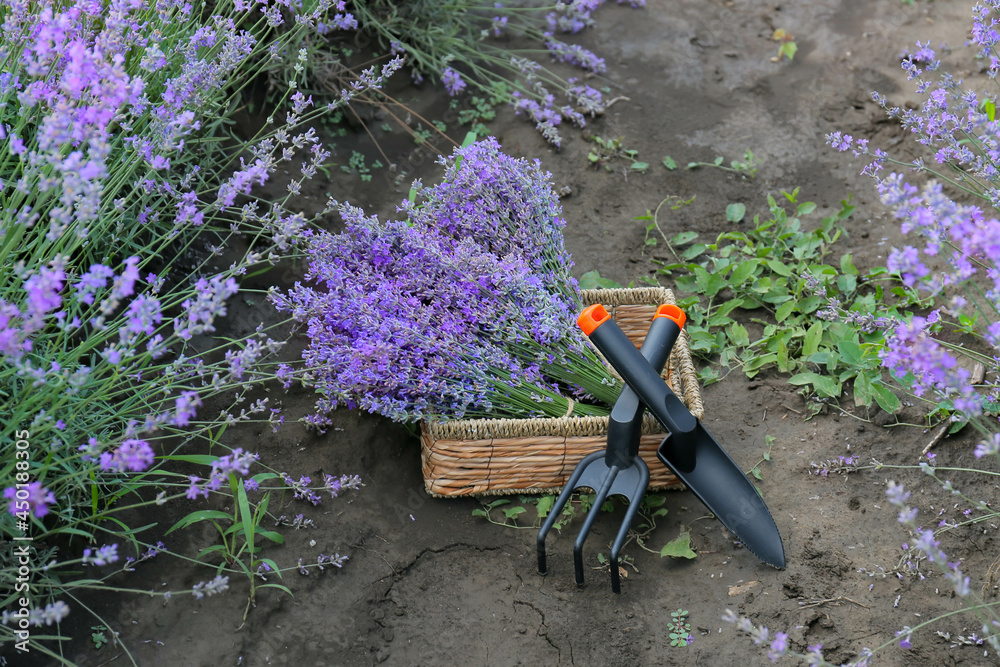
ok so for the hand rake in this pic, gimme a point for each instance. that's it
(617, 470)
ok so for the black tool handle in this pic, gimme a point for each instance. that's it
(625, 425)
(636, 371)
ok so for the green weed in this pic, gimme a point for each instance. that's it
(607, 151)
(769, 297)
(746, 168)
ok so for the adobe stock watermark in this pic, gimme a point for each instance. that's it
(19, 619)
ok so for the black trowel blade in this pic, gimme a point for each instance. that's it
(728, 494)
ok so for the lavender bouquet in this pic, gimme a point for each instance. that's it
(466, 308)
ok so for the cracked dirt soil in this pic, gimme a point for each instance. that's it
(429, 584)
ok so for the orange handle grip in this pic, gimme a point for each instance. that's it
(592, 317)
(671, 312)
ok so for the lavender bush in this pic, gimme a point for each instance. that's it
(952, 259)
(474, 47)
(466, 308)
(119, 194)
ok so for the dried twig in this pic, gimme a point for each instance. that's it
(836, 600)
(938, 437)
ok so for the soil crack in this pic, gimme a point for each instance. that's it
(543, 629)
(398, 574)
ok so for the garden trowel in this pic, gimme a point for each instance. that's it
(689, 450)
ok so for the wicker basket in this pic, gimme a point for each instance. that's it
(498, 456)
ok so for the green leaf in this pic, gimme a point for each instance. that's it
(756, 473)
(513, 512)
(779, 268)
(669, 163)
(788, 49)
(784, 310)
(806, 208)
(275, 537)
(847, 283)
(544, 506)
(862, 390)
(847, 265)
(283, 589)
(783, 365)
(480, 512)
(200, 459)
(207, 551)
(497, 503)
(639, 166)
(814, 336)
(824, 386)
(735, 212)
(246, 516)
(743, 271)
(850, 351)
(694, 251)
(684, 238)
(679, 547)
(738, 334)
(200, 515)
(989, 108)
(593, 280)
(885, 398)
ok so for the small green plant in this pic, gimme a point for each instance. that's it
(238, 531)
(606, 151)
(764, 458)
(421, 134)
(509, 512)
(787, 48)
(680, 629)
(357, 164)
(479, 110)
(746, 168)
(98, 637)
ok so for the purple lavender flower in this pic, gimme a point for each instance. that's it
(989, 447)
(237, 462)
(194, 488)
(212, 587)
(132, 454)
(43, 290)
(31, 497)
(335, 485)
(185, 407)
(912, 353)
(153, 551)
(779, 646)
(300, 489)
(574, 54)
(897, 494)
(209, 303)
(104, 555)
(442, 314)
(452, 81)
